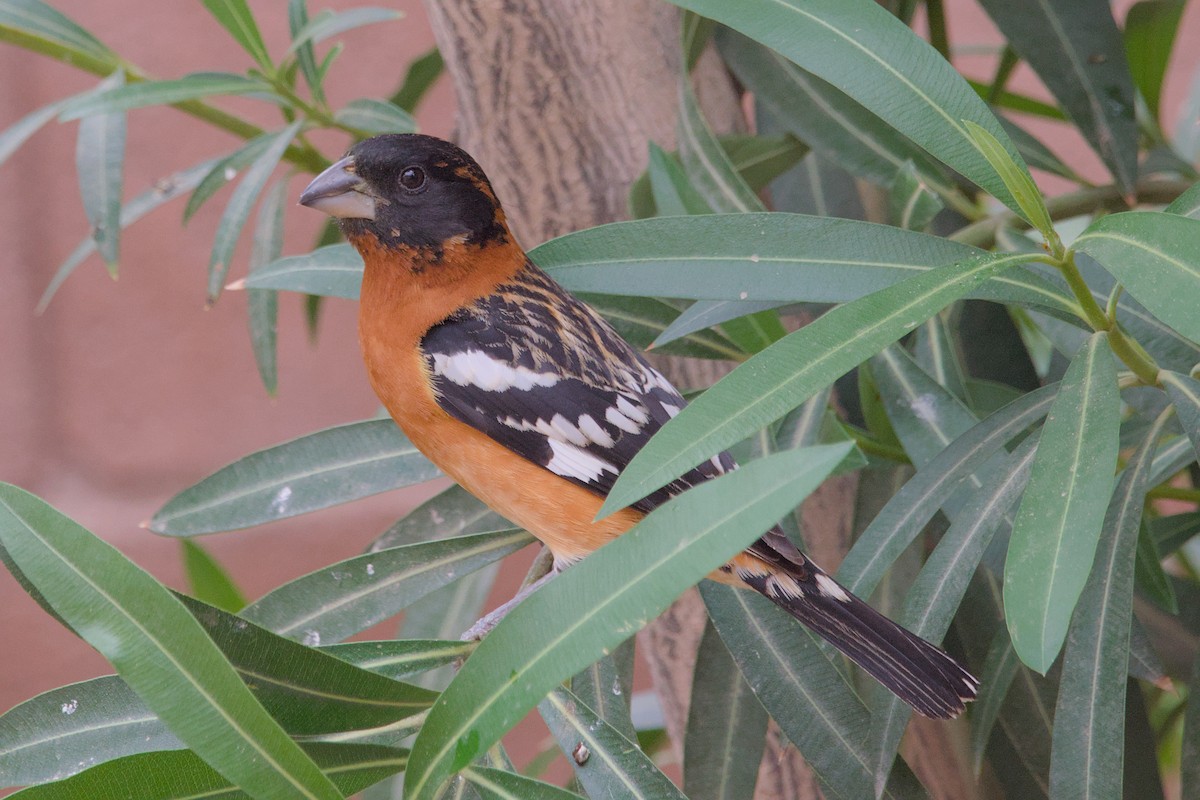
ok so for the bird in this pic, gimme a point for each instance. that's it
(532, 402)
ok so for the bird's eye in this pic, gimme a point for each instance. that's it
(413, 179)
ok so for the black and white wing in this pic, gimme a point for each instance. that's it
(545, 376)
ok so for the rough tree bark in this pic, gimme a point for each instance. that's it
(558, 99)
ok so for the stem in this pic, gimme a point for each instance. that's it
(1133, 355)
(936, 16)
(1161, 190)
(869, 444)
(302, 156)
(1091, 309)
(1175, 493)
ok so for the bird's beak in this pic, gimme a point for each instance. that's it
(339, 192)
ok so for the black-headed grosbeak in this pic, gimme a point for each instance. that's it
(533, 403)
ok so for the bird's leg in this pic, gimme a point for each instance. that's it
(544, 568)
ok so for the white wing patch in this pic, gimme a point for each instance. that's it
(476, 368)
(829, 588)
(571, 462)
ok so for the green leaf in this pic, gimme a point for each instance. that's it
(399, 658)
(225, 170)
(375, 116)
(937, 355)
(66, 730)
(183, 775)
(604, 598)
(452, 512)
(876, 60)
(238, 210)
(900, 521)
(334, 270)
(1184, 392)
(793, 369)
(1189, 760)
(100, 161)
(1150, 28)
(157, 647)
(673, 194)
(726, 728)
(606, 687)
(305, 58)
(41, 28)
(1016, 177)
(422, 74)
(154, 93)
(307, 691)
(1086, 757)
(911, 205)
(262, 305)
(1059, 522)
(338, 601)
(208, 580)
(1149, 575)
(1036, 154)
(1187, 204)
(644, 322)
(935, 595)
(496, 784)
(325, 468)
(1171, 533)
(19, 132)
(805, 693)
(760, 159)
(999, 669)
(163, 191)
(769, 257)
(705, 162)
(705, 314)
(235, 17)
(614, 766)
(329, 23)
(1083, 66)
(1154, 256)
(823, 116)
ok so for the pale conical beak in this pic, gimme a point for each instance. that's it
(339, 192)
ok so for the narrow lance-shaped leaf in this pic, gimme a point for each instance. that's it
(606, 763)
(935, 595)
(375, 116)
(235, 17)
(66, 730)
(329, 23)
(1189, 761)
(793, 369)
(154, 93)
(1058, 524)
(183, 775)
(823, 116)
(606, 597)
(399, 658)
(422, 73)
(804, 691)
(208, 580)
(726, 729)
(163, 191)
(325, 468)
(243, 199)
(19, 132)
(911, 205)
(907, 513)
(1016, 178)
(673, 194)
(262, 305)
(42, 28)
(223, 171)
(157, 647)
(883, 65)
(1150, 28)
(1083, 66)
(305, 58)
(335, 602)
(999, 669)
(1184, 392)
(1153, 255)
(498, 784)
(100, 161)
(1087, 754)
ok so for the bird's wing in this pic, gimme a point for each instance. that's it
(542, 374)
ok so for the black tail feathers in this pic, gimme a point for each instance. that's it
(919, 673)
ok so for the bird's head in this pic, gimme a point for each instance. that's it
(410, 193)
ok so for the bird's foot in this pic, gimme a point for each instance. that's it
(485, 624)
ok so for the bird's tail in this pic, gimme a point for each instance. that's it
(919, 673)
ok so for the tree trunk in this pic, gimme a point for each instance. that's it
(557, 100)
